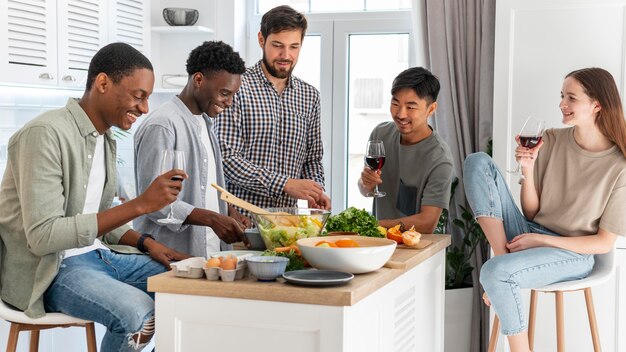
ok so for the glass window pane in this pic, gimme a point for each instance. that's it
(337, 6)
(308, 67)
(265, 5)
(375, 60)
(387, 4)
(334, 6)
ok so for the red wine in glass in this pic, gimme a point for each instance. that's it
(375, 159)
(172, 159)
(375, 162)
(530, 135)
(529, 141)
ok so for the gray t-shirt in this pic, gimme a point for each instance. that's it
(413, 175)
(173, 126)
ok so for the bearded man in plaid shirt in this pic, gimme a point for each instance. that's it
(271, 137)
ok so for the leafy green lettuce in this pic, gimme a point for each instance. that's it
(296, 262)
(355, 220)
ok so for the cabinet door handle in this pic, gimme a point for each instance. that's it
(45, 75)
(68, 78)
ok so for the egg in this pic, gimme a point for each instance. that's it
(229, 263)
(213, 263)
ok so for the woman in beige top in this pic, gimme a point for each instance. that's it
(573, 200)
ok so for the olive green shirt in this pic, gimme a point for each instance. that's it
(42, 196)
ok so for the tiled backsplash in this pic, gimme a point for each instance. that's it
(18, 105)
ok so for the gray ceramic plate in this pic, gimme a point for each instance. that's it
(317, 277)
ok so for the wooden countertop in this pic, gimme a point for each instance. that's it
(249, 288)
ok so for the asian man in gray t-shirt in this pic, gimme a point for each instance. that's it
(417, 173)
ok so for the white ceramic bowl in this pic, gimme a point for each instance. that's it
(267, 268)
(372, 254)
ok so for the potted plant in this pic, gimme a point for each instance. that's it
(459, 290)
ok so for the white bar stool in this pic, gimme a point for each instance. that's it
(603, 269)
(21, 322)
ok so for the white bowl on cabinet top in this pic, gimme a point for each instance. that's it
(371, 254)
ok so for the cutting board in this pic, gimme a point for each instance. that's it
(403, 253)
(421, 245)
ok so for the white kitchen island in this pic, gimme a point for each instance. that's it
(399, 307)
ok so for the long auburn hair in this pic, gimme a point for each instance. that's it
(599, 85)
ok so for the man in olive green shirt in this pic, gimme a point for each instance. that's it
(61, 248)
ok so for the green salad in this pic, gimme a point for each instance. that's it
(354, 220)
(283, 236)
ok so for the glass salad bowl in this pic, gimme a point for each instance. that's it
(282, 227)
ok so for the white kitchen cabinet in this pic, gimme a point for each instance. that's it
(129, 22)
(48, 42)
(399, 310)
(537, 43)
(81, 32)
(28, 53)
(171, 45)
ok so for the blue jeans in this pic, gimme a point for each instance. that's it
(503, 276)
(108, 288)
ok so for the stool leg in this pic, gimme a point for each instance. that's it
(531, 319)
(560, 334)
(14, 333)
(91, 337)
(591, 312)
(34, 341)
(495, 332)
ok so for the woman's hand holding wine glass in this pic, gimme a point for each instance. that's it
(529, 141)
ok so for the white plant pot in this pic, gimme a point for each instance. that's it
(458, 322)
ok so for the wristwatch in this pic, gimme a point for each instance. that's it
(140, 242)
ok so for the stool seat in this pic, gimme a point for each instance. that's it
(21, 322)
(15, 316)
(603, 269)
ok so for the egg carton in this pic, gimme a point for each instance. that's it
(189, 268)
(213, 274)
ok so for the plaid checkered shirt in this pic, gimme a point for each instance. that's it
(267, 138)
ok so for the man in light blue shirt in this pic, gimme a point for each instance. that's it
(185, 123)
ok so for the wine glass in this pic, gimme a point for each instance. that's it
(172, 159)
(375, 159)
(529, 136)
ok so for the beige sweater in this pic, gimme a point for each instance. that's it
(579, 191)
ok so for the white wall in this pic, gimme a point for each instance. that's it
(537, 43)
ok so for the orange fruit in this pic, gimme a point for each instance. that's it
(325, 244)
(346, 242)
(395, 234)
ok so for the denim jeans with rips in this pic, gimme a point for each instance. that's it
(504, 276)
(108, 288)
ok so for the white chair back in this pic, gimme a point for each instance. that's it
(603, 269)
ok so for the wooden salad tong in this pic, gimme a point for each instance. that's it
(277, 218)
